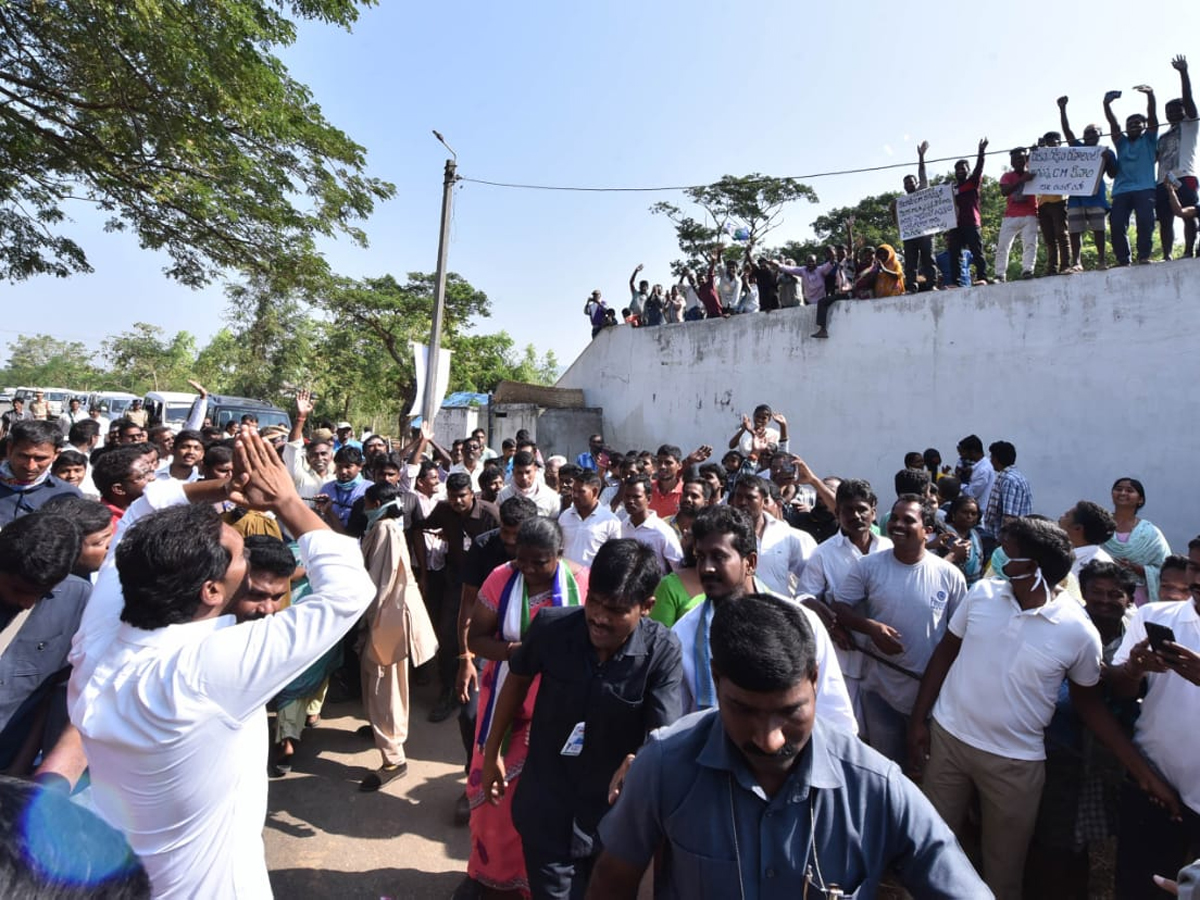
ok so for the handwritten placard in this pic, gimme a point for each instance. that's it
(929, 211)
(1074, 171)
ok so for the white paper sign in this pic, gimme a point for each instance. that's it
(421, 364)
(929, 211)
(1074, 171)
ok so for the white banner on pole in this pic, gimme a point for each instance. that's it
(421, 365)
(929, 211)
(1074, 171)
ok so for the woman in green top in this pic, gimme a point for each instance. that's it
(679, 591)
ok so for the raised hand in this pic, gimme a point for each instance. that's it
(699, 455)
(747, 424)
(304, 404)
(639, 268)
(260, 479)
(922, 148)
(1144, 89)
(983, 145)
(427, 431)
(1062, 101)
(198, 387)
(1179, 63)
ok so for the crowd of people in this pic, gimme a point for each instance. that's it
(1153, 172)
(656, 660)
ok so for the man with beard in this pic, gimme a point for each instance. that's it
(726, 556)
(170, 697)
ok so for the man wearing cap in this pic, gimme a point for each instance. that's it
(345, 437)
(39, 408)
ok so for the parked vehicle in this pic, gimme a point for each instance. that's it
(223, 409)
(112, 404)
(168, 408)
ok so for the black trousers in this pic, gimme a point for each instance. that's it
(1149, 844)
(967, 237)
(918, 259)
(468, 713)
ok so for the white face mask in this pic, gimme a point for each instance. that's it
(1036, 574)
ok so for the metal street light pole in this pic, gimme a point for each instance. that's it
(430, 400)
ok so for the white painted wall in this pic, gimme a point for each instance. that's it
(1092, 376)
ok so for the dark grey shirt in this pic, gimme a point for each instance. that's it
(846, 812)
(560, 799)
(39, 650)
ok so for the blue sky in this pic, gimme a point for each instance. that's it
(622, 94)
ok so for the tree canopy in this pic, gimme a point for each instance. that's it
(752, 202)
(175, 119)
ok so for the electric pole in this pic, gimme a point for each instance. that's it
(430, 401)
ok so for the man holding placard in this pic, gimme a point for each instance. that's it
(1020, 216)
(1087, 213)
(918, 251)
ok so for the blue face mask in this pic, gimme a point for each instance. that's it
(353, 482)
(374, 514)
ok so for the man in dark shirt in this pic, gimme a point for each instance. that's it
(488, 552)
(40, 607)
(610, 676)
(966, 207)
(461, 518)
(25, 479)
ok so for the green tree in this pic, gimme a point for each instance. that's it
(177, 120)
(40, 360)
(276, 338)
(482, 361)
(754, 202)
(390, 315)
(144, 359)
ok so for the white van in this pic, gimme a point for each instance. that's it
(168, 408)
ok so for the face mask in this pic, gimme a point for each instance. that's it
(353, 482)
(374, 514)
(1036, 574)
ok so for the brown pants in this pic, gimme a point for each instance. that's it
(1053, 219)
(1010, 791)
(385, 695)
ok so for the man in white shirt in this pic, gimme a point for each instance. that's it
(833, 560)
(1088, 525)
(783, 551)
(1149, 842)
(902, 601)
(527, 482)
(978, 482)
(725, 552)
(472, 462)
(586, 524)
(310, 466)
(646, 526)
(169, 693)
(76, 413)
(995, 677)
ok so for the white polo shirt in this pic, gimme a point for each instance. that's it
(1086, 554)
(1166, 729)
(582, 538)
(833, 700)
(659, 537)
(783, 551)
(1000, 692)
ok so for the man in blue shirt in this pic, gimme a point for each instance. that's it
(591, 459)
(1133, 189)
(757, 799)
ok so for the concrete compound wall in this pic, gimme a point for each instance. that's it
(1092, 376)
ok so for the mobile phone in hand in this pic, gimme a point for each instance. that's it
(1159, 635)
